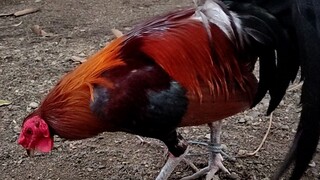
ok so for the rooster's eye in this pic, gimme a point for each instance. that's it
(29, 131)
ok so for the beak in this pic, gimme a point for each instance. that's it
(30, 152)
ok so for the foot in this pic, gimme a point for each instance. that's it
(170, 165)
(215, 164)
(215, 157)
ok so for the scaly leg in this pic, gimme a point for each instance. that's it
(215, 157)
(178, 148)
(170, 165)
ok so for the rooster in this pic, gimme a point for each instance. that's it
(186, 68)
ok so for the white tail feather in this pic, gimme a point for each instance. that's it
(211, 11)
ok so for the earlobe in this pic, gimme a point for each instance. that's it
(45, 145)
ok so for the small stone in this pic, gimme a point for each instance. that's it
(242, 152)
(38, 58)
(127, 28)
(254, 114)
(90, 169)
(186, 131)
(72, 146)
(20, 161)
(239, 166)
(33, 105)
(53, 62)
(17, 129)
(63, 42)
(249, 118)
(102, 167)
(241, 120)
(312, 164)
(233, 175)
(224, 147)
(284, 127)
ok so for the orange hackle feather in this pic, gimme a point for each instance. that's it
(66, 108)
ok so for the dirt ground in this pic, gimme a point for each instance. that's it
(30, 65)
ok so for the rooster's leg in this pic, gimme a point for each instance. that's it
(171, 163)
(178, 148)
(215, 157)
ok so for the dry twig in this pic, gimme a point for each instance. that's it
(26, 11)
(262, 142)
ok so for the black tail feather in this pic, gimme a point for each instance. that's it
(266, 75)
(300, 20)
(306, 14)
(267, 35)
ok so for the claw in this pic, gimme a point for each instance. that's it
(216, 164)
(197, 175)
(171, 163)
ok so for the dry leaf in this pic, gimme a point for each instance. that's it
(36, 29)
(4, 103)
(26, 11)
(242, 153)
(78, 59)
(117, 33)
(40, 32)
